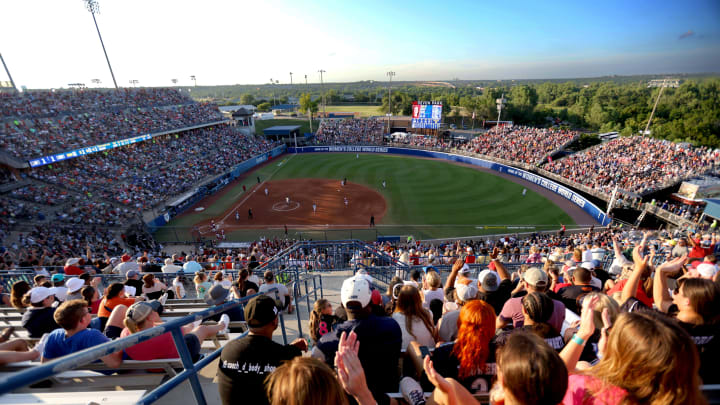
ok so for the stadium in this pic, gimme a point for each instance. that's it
(415, 242)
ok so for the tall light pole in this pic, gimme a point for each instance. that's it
(290, 79)
(306, 81)
(94, 8)
(322, 88)
(134, 82)
(500, 103)
(389, 74)
(96, 82)
(194, 79)
(12, 82)
(654, 107)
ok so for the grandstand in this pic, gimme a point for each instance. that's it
(93, 214)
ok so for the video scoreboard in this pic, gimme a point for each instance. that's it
(426, 114)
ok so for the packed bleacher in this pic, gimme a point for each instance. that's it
(350, 131)
(635, 164)
(521, 144)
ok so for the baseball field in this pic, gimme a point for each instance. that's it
(425, 198)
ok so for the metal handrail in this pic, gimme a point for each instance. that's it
(21, 379)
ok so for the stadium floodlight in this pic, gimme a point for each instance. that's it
(389, 74)
(290, 78)
(500, 104)
(662, 86)
(96, 82)
(322, 89)
(134, 82)
(174, 81)
(306, 81)
(94, 8)
(12, 82)
(194, 79)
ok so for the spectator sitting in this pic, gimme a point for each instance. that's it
(169, 267)
(218, 296)
(38, 319)
(322, 320)
(17, 292)
(133, 280)
(58, 281)
(74, 318)
(432, 288)
(74, 285)
(245, 363)
(243, 286)
(581, 279)
(145, 315)
(537, 309)
(201, 284)
(153, 289)
(115, 296)
(126, 265)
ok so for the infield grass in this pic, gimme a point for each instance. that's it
(426, 198)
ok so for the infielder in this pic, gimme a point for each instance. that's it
(266, 192)
(314, 208)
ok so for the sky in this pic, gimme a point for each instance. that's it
(51, 43)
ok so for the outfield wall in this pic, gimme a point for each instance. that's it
(220, 182)
(575, 198)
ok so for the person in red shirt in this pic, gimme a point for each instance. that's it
(702, 248)
(470, 258)
(71, 267)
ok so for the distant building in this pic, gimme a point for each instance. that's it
(280, 108)
(243, 119)
(668, 83)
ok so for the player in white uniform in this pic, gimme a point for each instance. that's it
(346, 202)
(314, 208)
(384, 184)
(524, 191)
(266, 192)
(237, 215)
(287, 200)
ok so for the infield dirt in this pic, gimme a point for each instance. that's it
(328, 195)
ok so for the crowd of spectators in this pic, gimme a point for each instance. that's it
(521, 144)
(350, 131)
(28, 138)
(635, 164)
(145, 174)
(37, 104)
(42, 194)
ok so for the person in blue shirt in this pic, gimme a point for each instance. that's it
(74, 318)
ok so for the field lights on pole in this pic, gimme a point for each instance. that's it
(94, 8)
(322, 88)
(500, 103)
(389, 74)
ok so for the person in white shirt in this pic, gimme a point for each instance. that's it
(169, 267)
(416, 322)
(282, 290)
(432, 288)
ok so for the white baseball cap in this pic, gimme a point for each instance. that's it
(707, 270)
(38, 294)
(355, 289)
(74, 284)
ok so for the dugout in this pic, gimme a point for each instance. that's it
(283, 133)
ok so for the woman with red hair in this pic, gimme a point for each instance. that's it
(470, 359)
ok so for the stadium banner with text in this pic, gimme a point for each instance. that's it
(577, 199)
(426, 114)
(220, 182)
(59, 157)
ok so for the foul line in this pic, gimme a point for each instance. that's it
(249, 194)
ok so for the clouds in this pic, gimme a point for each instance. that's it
(687, 34)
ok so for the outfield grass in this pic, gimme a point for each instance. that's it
(426, 198)
(260, 125)
(363, 110)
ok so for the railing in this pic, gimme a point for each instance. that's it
(40, 372)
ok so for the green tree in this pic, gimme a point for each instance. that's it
(263, 107)
(247, 99)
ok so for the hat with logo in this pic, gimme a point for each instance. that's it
(38, 294)
(465, 269)
(535, 277)
(489, 280)
(355, 289)
(216, 295)
(74, 284)
(261, 310)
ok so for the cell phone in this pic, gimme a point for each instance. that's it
(424, 351)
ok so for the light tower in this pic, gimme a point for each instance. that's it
(389, 74)
(662, 86)
(194, 79)
(500, 103)
(290, 79)
(322, 89)
(94, 8)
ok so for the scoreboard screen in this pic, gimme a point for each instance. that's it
(426, 114)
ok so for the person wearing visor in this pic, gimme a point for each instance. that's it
(144, 315)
